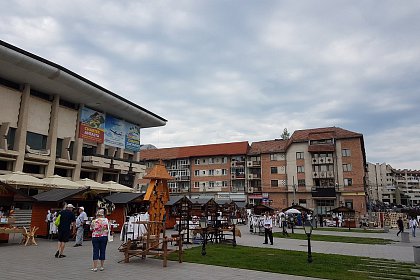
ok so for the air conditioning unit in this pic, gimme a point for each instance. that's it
(250, 189)
(329, 159)
(233, 176)
(249, 163)
(250, 176)
(323, 174)
(330, 174)
(233, 163)
(315, 175)
(321, 160)
(315, 161)
(234, 189)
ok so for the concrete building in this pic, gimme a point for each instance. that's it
(317, 168)
(53, 121)
(380, 182)
(407, 186)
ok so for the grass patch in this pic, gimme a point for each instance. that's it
(347, 230)
(334, 238)
(325, 266)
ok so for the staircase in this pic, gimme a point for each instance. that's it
(23, 218)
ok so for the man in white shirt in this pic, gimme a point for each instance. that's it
(80, 222)
(413, 225)
(268, 228)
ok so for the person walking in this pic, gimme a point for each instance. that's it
(400, 224)
(100, 231)
(49, 221)
(284, 225)
(80, 226)
(67, 220)
(268, 228)
(413, 225)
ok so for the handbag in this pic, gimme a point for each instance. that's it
(57, 220)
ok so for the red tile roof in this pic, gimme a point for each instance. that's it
(228, 149)
(270, 146)
(323, 133)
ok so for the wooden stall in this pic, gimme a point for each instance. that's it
(55, 199)
(348, 216)
(126, 204)
(262, 208)
(10, 198)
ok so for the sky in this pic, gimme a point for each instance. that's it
(226, 71)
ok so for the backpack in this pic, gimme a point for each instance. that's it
(57, 221)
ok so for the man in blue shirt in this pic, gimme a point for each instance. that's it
(67, 219)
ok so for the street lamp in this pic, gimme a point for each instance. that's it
(203, 226)
(233, 221)
(308, 230)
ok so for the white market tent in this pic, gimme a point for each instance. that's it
(116, 187)
(58, 182)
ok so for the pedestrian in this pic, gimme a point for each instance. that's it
(80, 226)
(100, 231)
(67, 220)
(400, 224)
(268, 228)
(49, 220)
(284, 225)
(413, 225)
(321, 221)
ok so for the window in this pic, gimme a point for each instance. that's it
(302, 202)
(197, 172)
(224, 171)
(276, 157)
(36, 141)
(300, 169)
(345, 152)
(348, 182)
(58, 148)
(211, 160)
(204, 161)
(347, 167)
(211, 184)
(11, 138)
(211, 172)
(224, 183)
(274, 170)
(301, 182)
(197, 161)
(196, 185)
(274, 183)
(224, 159)
(349, 204)
(299, 155)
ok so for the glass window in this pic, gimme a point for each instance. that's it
(301, 182)
(299, 155)
(345, 152)
(58, 148)
(348, 182)
(274, 183)
(300, 169)
(36, 141)
(11, 138)
(274, 170)
(347, 167)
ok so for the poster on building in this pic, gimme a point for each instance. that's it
(92, 125)
(132, 137)
(114, 132)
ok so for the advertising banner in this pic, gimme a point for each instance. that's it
(114, 132)
(92, 125)
(132, 137)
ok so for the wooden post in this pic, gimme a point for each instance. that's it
(180, 239)
(165, 251)
(126, 255)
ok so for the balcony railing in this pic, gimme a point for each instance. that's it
(324, 191)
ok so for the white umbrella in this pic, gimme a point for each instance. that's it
(56, 181)
(93, 185)
(114, 186)
(21, 179)
(292, 211)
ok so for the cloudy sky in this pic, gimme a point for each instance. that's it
(223, 71)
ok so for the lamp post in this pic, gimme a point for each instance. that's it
(203, 226)
(233, 221)
(308, 230)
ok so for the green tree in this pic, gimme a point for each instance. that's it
(285, 135)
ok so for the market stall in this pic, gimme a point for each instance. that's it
(346, 217)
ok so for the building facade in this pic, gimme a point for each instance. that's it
(317, 168)
(53, 121)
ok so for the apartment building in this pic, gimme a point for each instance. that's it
(319, 168)
(393, 186)
(380, 183)
(217, 169)
(53, 121)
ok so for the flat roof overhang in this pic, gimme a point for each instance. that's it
(22, 67)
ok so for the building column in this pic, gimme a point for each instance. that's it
(78, 146)
(52, 135)
(22, 127)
